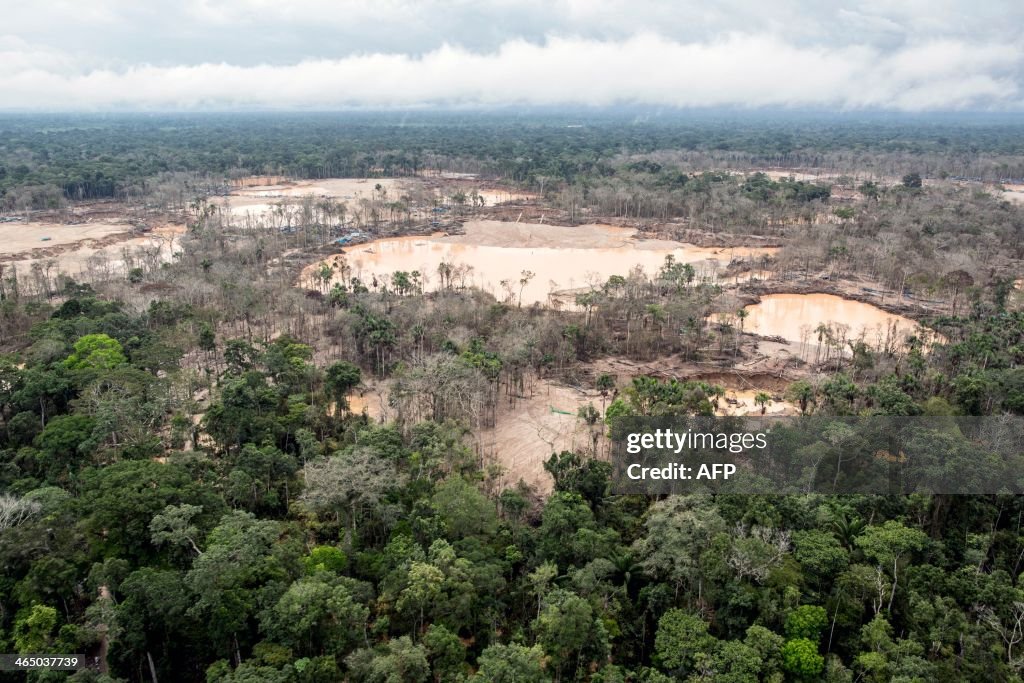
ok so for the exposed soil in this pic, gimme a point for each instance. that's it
(340, 188)
(253, 181)
(526, 433)
(538, 424)
(84, 250)
(370, 399)
(35, 239)
(1014, 193)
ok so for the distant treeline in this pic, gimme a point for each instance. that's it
(98, 156)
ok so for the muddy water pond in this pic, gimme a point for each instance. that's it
(795, 317)
(560, 258)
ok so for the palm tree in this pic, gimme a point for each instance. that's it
(691, 333)
(444, 271)
(325, 275)
(657, 315)
(742, 315)
(459, 199)
(605, 384)
(822, 331)
(802, 393)
(724, 329)
(716, 392)
(847, 529)
(762, 399)
(401, 282)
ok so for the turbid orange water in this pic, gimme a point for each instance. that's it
(795, 316)
(560, 258)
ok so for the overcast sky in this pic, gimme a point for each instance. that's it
(910, 55)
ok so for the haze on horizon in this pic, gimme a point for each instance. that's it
(116, 55)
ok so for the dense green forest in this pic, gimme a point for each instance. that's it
(185, 494)
(97, 156)
(297, 544)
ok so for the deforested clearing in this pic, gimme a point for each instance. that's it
(343, 397)
(25, 237)
(527, 262)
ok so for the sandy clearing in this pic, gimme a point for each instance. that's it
(824, 176)
(256, 180)
(588, 236)
(89, 260)
(528, 432)
(255, 195)
(544, 420)
(742, 383)
(537, 425)
(25, 237)
(1014, 193)
(742, 402)
(255, 207)
(254, 201)
(495, 196)
(370, 400)
(340, 188)
(779, 175)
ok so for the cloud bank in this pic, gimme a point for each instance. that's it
(736, 70)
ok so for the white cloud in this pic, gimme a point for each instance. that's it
(17, 55)
(734, 70)
(124, 33)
